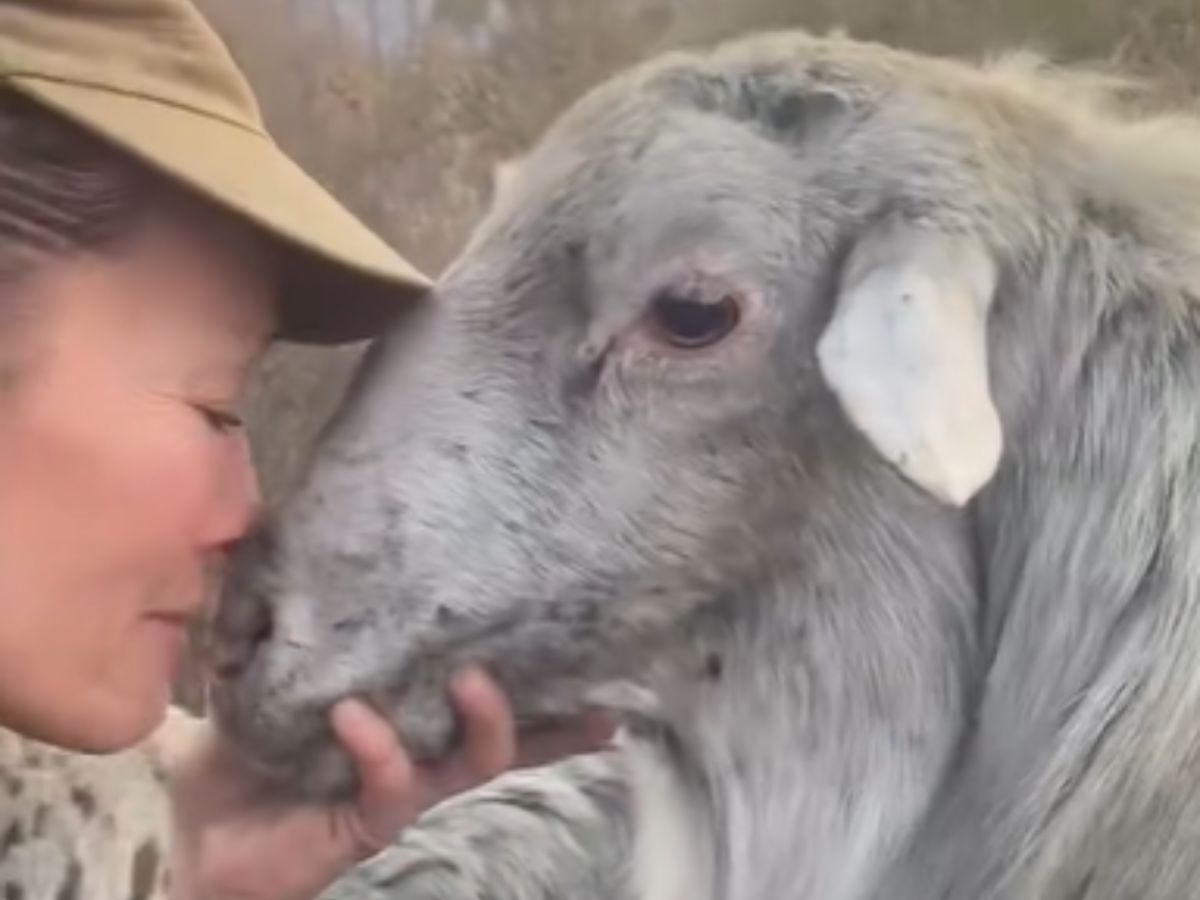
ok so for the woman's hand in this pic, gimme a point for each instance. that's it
(232, 843)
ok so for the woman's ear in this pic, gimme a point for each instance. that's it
(905, 352)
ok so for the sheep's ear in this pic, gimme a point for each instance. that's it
(905, 352)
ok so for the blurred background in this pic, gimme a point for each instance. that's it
(404, 107)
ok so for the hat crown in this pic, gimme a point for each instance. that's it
(160, 50)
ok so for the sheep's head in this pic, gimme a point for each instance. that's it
(725, 304)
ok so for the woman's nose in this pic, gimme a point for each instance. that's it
(236, 501)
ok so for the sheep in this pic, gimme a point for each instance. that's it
(830, 412)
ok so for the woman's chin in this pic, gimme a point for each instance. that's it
(100, 720)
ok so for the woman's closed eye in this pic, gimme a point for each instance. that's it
(219, 419)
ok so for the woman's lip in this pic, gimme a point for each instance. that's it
(178, 618)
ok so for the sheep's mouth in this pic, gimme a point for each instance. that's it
(553, 664)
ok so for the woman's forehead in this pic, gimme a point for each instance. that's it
(169, 299)
(198, 278)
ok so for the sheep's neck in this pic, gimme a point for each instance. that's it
(786, 779)
(1091, 531)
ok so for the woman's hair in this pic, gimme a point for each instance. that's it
(63, 191)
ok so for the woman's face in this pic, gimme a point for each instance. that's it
(123, 474)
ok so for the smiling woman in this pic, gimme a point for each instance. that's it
(128, 356)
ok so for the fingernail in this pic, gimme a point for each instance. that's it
(350, 711)
(470, 678)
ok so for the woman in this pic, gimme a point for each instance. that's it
(153, 240)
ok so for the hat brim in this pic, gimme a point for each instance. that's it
(341, 281)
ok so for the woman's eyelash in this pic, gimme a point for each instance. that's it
(219, 418)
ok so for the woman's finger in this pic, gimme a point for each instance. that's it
(491, 744)
(489, 732)
(383, 767)
(488, 745)
(587, 734)
(387, 798)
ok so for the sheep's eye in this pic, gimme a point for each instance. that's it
(690, 323)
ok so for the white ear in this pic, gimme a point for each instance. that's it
(906, 355)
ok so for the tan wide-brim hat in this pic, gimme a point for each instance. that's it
(152, 77)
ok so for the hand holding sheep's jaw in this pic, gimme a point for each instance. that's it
(487, 740)
(546, 700)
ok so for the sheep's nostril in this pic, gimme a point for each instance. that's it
(264, 630)
(226, 661)
(231, 654)
(244, 620)
(244, 624)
